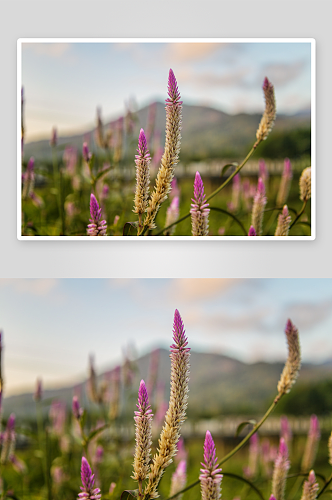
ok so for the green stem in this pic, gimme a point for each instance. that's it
(239, 446)
(240, 478)
(325, 486)
(255, 429)
(299, 214)
(42, 448)
(227, 181)
(236, 171)
(48, 467)
(61, 202)
(56, 179)
(217, 209)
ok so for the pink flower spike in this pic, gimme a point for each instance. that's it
(210, 478)
(97, 227)
(173, 91)
(86, 153)
(252, 231)
(77, 410)
(199, 209)
(180, 340)
(88, 481)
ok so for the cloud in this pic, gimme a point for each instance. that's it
(49, 49)
(200, 288)
(228, 79)
(308, 315)
(185, 52)
(37, 287)
(282, 73)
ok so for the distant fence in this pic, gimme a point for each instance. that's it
(227, 426)
(213, 168)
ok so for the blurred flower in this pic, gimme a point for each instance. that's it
(311, 446)
(172, 214)
(143, 436)
(269, 115)
(310, 487)
(77, 410)
(142, 175)
(179, 479)
(285, 183)
(284, 222)
(258, 208)
(39, 390)
(54, 137)
(305, 184)
(86, 153)
(293, 363)
(57, 415)
(8, 440)
(199, 209)
(70, 159)
(281, 467)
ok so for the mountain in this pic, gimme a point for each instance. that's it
(206, 132)
(218, 384)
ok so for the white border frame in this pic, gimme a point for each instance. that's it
(312, 41)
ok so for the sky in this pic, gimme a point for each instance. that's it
(64, 83)
(51, 326)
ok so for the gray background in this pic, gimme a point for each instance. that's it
(75, 18)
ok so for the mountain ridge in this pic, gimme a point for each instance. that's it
(232, 384)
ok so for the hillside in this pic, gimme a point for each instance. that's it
(218, 384)
(206, 132)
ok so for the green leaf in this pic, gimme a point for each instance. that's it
(97, 431)
(127, 494)
(217, 209)
(240, 478)
(226, 167)
(129, 227)
(243, 424)
(102, 173)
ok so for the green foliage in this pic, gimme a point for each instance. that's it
(308, 398)
(291, 144)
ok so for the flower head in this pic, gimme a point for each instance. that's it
(258, 208)
(310, 487)
(172, 215)
(305, 184)
(8, 440)
(252, 231)
(39, 390)
(210, 476)
(285, 430)
(77, 410)
(293, 363)
(97, 227)
(86, 153)
(285, 183)
(330, 449)
(284, 221)
(170, 157)
(54, 137)
(281, 467)
(199, 209)
(179, 479)
(88, 481)
(175, 415)
(142, 161)
(311, 446)
(269, 115)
